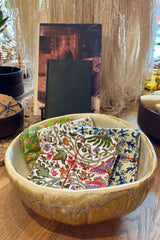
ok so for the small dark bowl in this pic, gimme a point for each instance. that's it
(149, 121)
(11, 81)
(12, 124)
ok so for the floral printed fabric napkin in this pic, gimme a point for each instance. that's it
(87, 121)
(46, 132)
(30, 142)
(126, 166)
(74, 161)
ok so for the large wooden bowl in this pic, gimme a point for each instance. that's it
(83, 206)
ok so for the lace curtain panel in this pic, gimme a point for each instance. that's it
(127, 40)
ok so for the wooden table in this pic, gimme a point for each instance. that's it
(18, 222)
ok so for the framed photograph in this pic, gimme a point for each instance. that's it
(68, 42)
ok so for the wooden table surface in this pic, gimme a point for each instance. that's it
(18, 222)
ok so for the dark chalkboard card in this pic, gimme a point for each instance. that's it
(68, 88)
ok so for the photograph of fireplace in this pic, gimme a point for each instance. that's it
(74, 42)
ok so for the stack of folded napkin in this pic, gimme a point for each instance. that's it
(76, 155)
(30, 142)
(126, 166)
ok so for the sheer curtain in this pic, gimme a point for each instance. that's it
(127, 39)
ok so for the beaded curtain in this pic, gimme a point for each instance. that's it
(127, 40)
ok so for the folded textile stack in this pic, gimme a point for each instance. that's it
(126, 166)
(72, 160)
(30, 142)
(76, 155)
(46, 132)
